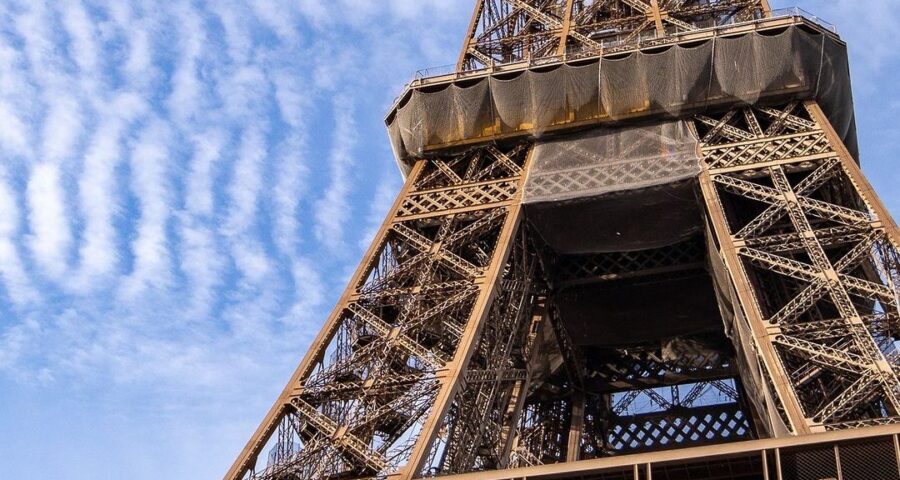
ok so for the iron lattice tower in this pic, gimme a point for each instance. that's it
(634, 242)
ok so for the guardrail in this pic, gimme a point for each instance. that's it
(628, 41)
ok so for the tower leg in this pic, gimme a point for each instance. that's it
(814, 265)
(369, 398)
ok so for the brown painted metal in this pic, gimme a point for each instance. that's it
(506, 31)
(800, 141)
(435, 187)
(851, 167)
(247, 458)
(470, 33)
(750, 306)
(657, 19)
(584, 468)
(448, 353)
(450, 384)
(566, 29)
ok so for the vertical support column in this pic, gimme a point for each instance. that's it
(873, 201)
(748, 303)
(508, 435)
(470, 35)
(812, 253)
(576, 428)
(657, 18)
(566, 27)
(451, 381)
(388, 361)
(247, 458)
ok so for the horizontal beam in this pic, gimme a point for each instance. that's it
(585, 467)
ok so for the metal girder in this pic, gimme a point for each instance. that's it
(386, 367)
(345, 441)
(818, 317)
(509, 31)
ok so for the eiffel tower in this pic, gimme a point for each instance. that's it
(634, 242)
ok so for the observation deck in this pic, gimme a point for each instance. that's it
(788, 55)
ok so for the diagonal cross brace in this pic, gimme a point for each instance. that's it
(556, 23)
(386, 330)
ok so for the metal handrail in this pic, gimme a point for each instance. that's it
(614, 43)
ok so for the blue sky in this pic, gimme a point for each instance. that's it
(185, 188)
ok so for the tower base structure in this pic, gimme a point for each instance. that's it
(611, 281)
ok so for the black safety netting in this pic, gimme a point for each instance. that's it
(757, 385)
(622, 221)
(615, 189)
(674, 81)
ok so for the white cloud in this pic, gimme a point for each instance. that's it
(383, 198)
(183, 188)
(246, 182)
(99, 203)
(333, 209)
(80, 29)
(208, 151)
(51, 238)
(18, 285)
(13, 135)
(150, 166)
(188, 96)
(62, 128)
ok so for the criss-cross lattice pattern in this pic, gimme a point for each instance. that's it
(478, 436)
(682, 429)
(575, 269)
(867, 460)
(820, 265)
(618, 176)
(361, 401)
(509, 31)
(634, 369)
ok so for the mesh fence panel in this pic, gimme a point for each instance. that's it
(869, 460)
(834, 91)
(663, 78)
(409, 119)
(441, 119)
(472, 103)
(548, 93)
(623, 85)
(737, 329)
(691, 75)
(750, 65)
(396, 139)
(695, 64)
(736, 69)
(809, 464)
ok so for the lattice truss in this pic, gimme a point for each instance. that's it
(570, 270)
(362, 401)
(814, 258)
(508, 31)
(628, 400)
(638, 401)
(476, 433)
(565, 403)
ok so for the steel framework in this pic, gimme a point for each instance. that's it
(813, 256)
(509, 31)
(455, 350)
